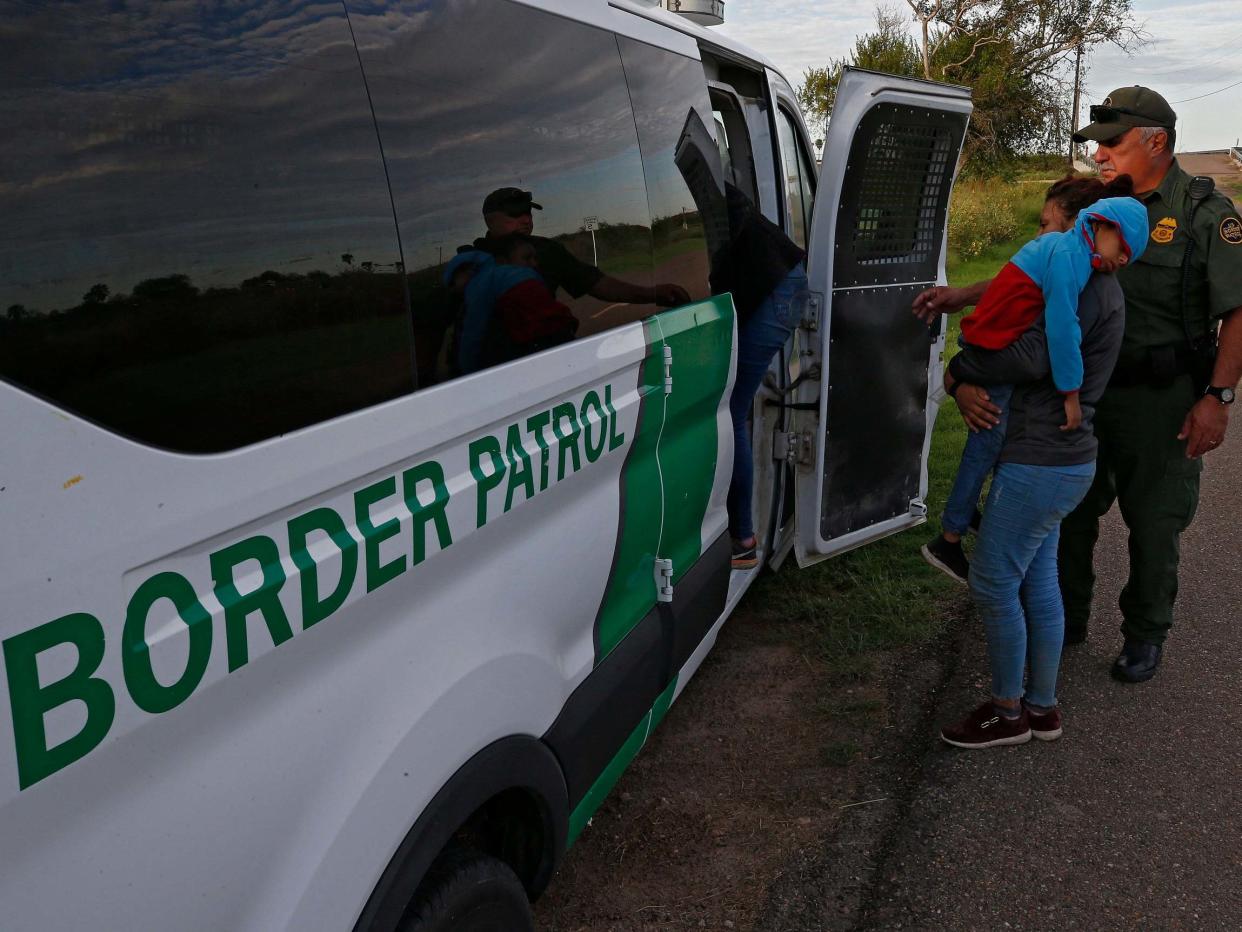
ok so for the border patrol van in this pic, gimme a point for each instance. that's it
(298, 630)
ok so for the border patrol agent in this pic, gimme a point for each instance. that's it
(1181, 358)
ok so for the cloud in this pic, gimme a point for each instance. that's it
(1194, 49)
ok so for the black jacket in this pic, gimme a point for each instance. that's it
(756, 258)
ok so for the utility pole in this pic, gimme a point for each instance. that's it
(1077, 90)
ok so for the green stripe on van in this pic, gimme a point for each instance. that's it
(603, 785)
(683, 426)
(701, 336)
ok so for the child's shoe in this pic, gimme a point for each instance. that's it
(949, 558)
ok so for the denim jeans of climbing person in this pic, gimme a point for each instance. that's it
(979, 456)
(1013, 575)
(758, 341)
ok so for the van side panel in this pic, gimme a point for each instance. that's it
(701, 340)
(608, 718)
(484, 637)
(235, 675)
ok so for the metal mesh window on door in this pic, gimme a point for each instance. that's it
(905, 170)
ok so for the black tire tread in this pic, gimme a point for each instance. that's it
(456, 878)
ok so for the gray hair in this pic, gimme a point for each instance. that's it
(1147, 132)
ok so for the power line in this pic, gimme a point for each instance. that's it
(1186, 100)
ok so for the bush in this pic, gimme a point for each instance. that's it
(982, 213)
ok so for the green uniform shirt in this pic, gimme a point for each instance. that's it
(1153, 284)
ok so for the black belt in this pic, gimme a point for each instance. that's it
(1160, 366)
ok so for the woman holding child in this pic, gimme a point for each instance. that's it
(1043, 340)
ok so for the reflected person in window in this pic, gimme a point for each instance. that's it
(509, 210)
(508, 311)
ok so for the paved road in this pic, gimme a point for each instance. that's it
(1133, 819)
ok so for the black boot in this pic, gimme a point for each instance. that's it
(1137, 661)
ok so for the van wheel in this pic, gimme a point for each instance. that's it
(466, 891)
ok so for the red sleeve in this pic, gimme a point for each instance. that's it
(1010, 306)
(528, 312)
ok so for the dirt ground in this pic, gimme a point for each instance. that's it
(762, 801)
(1227, 175)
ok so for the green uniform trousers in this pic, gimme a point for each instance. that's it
(1143, 467)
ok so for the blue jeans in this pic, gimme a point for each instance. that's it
(1013, 574)
(979, 457)
(757, 342)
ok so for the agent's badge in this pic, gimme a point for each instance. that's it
(1231, 231)
(1164, 230)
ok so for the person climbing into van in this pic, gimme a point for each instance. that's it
(508, 311)
(1085, 226)
(764, 269)
(509, 210)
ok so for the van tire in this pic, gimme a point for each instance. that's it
(466, 891)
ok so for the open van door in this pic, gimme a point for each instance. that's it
(865, 414)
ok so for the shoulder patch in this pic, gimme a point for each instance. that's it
(1231, 230)
(1164, 229)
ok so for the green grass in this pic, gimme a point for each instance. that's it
(1232, 188)
(884, 596)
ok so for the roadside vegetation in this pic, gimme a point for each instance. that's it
(848, 610)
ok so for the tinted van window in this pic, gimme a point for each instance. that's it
(198, 248)
(474, 97)
(681, 161)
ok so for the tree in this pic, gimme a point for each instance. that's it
(347, 258)
(167, 290)
(96, 294)
(1013, 54)
(889, 49)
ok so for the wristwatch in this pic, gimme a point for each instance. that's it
(1224, 395)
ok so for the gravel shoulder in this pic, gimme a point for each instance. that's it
(1134, 818)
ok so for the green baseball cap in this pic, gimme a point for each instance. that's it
(1124, 109)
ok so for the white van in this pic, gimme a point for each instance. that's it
(301, 632)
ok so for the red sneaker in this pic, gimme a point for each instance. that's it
(1046, 726)
(985, 728)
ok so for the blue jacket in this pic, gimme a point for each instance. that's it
(490, 281)
(1047, 275)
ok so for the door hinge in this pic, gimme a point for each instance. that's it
(811, 307)
(664, 579)
(668, 369)
(793, 447)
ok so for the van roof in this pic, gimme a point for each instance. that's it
(708, 39)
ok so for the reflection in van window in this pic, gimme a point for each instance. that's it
(508, 307)
(685, 183)
(198, 247)
(521, 123)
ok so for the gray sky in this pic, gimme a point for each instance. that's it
(1195, 48)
